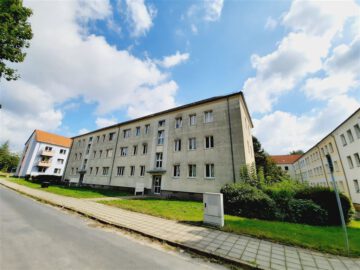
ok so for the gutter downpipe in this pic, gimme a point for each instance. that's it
(231, 141)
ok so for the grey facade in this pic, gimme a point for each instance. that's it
(194, 148)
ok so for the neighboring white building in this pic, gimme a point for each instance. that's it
(343, 145)
(286, 163)
(194, 148)
(44, 153)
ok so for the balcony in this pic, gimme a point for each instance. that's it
(47, 153)
(44, 164)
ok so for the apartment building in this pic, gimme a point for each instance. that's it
(195, 148)
(286, 163)
(343, 145)
(44, 153)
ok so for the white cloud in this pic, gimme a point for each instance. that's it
(64, 63)
(174, 60)
(83, 131)
(270, 24)
(281, 132)
(141, 16)
(213, 9)
(299, 54)
(104, 122)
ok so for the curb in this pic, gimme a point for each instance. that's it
(242, 264)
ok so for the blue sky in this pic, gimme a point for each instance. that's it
(95, 63)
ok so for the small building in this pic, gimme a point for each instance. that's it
(195, 148)
(44, 153)
(286, 163)
(343, 146)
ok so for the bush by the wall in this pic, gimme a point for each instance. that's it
(325, 198)
(306, 211)
(244, 200)
(281, 198)
(53, 179)
(27, 177)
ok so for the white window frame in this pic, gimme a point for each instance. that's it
(142, 170)
(137, 131)
(120, 171)
(158, 160)
(192, 143)
(145, 148)
(357, 159)
(132, 170)
(105, 171)
(178, 122)
(147, 129)
(343, 140)
(357, 130)
(209, 142)
(162, 123)
(161, 137)
(126, 133)
(192, 120)
(192, 170)
(123, 151)
(209, 167)
(176, 171)
(109, 153)
(177, 145)
(356, 186)
(208, 116)
(350, 162)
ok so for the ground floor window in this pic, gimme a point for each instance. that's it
(105, 170)
(132, 170)
(209, 171)
(120, 171)
(142, 170)
(192, 170)
(176, 170)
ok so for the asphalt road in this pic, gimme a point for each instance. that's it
(38, 236)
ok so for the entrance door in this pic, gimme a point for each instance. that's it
(157, 184)
(81, 178)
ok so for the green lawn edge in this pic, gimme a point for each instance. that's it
(327, 239)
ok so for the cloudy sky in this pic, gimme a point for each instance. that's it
(95, 63)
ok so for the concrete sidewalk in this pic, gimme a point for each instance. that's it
(248, 251)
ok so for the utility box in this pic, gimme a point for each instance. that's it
(213, 209)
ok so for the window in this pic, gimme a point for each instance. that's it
(96, 170)
(147, 128)
(177, 145)
(80, 156)
(111, 136)
(42, 169)
(94, 154)
(323, 152)
(208, 117)
(100, 153)
(209, 171)
(356, 185)
(62, 151)
(57, 170)
(331, 147)
(145, 148)
(158, 160)
(127, 133)
(123, 151)
(90, 139)
(142, 170)
(91, 169)
(209, 142)
(350, 136)
(336, 166)
(357, 130)
(192, 143)
(178, 122)
(84, 164)
(132, 170)
(135, 150)
(176, 170)
(97, 139)
(75, 157)
(192, 119)
(286, 168)
(192, 170)
(357, 159)
(109, 153)
(105, 170)
(137, 131)
(351, 164)
(60, 161)
(161, 135)
(162, 123)
(103, 137)
(120, 171)
(88, 149)
(343, 140)
(48, 148)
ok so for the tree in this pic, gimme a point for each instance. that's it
(296, 152)
(259, 154)
(15, 33)
(8, 160)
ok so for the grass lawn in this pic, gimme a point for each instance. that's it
(76, 192)
(327, 239)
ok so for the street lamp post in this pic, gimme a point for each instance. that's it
(331, 167)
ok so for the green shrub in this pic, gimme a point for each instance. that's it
(326, 199)
(306, 211)
(244, 200)
(281, 197)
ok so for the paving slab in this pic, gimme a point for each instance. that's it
(247, 251)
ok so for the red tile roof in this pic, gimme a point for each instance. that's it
(46, 137)
(285, 159)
